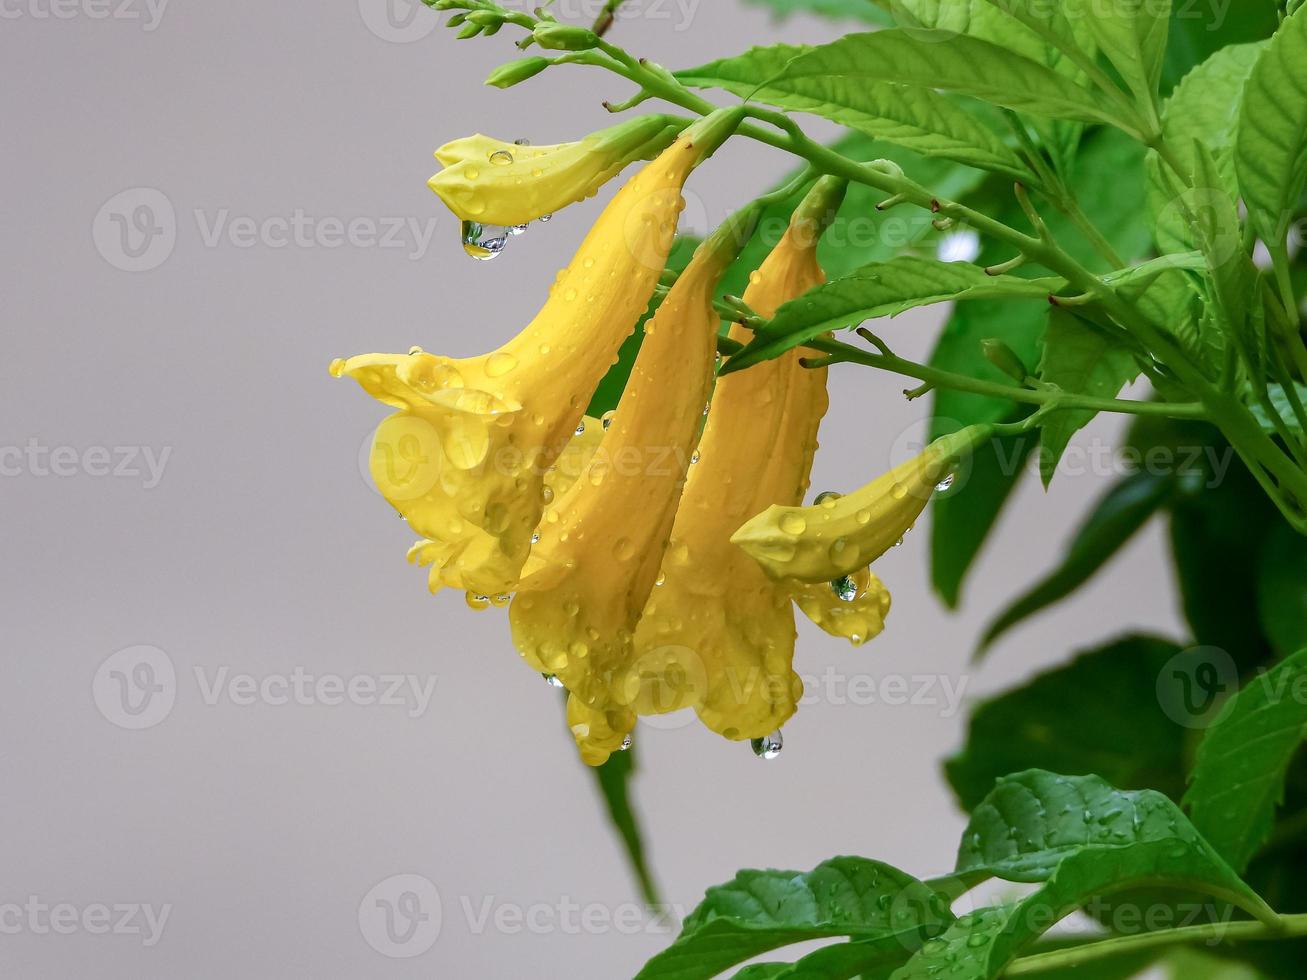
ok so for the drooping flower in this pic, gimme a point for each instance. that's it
(464, 457)
(840, 536)
(717, 634)
(600, 548)
(490, 181)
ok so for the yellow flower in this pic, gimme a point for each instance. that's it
(840, 536)
(717, 634)
(600, 548)
(492, 182)
(464, 458)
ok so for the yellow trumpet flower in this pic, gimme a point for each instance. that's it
(717, 634)
(839, 536)
(492, 182)
(600, 548)
(464, 457)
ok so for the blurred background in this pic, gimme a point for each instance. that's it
(239, 737)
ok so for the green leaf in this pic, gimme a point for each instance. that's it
(614, 779)
(1114, 521)
(863, 10)
(1132, 34)
(878, 290)
(843, 961)
(920, 119)
(762, 910)
(1205, 108)
(956, 63)
(1082, 359)
(962, 517)
(1098, 714)
(1238, 778)
(962, 949)
(1282, 589)
(1283, 407)
(1199, 30)
(1271, 144)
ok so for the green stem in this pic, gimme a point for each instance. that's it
(606, 16)
(1289, 926)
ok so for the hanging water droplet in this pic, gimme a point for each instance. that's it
(845, 589)
(626, 744)
(552, 680)
(501, 158)
(545, 217)
(517, 229)
(767, 747)
(483, 242)
(945, 483)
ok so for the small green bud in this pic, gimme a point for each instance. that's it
(562, 37)
(456, 20)
(506, 76)
(1004, 358)
(469, 30)
(486, 18)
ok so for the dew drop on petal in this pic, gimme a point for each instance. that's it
(827, 498)
(552, 680)
(767, 747)
(580, 429)
(626, 744)
(607, 419)
(535, 537)
(499, 364)
(898, 491)
(483, 242)
(501, 158)
(845, 589)
(945, 483)
(793, 523)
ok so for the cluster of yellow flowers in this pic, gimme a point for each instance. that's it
(653, 559)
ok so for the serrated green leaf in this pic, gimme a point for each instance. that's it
(1238, 778)
(879, 290)
(920, 119)
(1271, 143)
(1098, 714)
(1114, 521)
(1203, 107)
(961, 949)
(1199, 30)
(962, 519)
(956, 63)
(1282, 589)
(842, 961)
(1080, 358)
(763, 910)
(1132, 34)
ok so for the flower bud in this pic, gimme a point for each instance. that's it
(506, 76)
(1004, 358)
(563, 37)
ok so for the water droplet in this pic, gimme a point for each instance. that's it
(535, 537)
(483, 242)
(767, 747)
(607, 419)
(845, 589)
(898, 491)
(499, 364)
(978, 940)
(501, 158)
(694, 457)
(472, 173)
(827, 498)
(545, 217)
(580, 429)
(945, 483)
(793, 522)
(518, 229)
(337, 367)
(552, 680)
(623, 549)
(521, 142)
(477, 601)
(626, 744)
(415, 350)
(662, 577)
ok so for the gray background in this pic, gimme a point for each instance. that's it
(261, 550)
